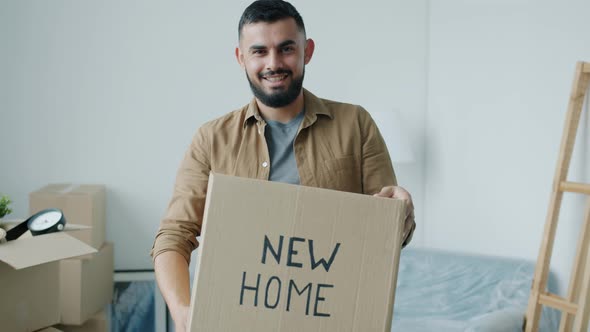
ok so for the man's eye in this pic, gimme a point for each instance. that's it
(287, 49)
(258, 52)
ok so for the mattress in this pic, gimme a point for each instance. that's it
(446, 291)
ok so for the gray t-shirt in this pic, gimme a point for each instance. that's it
(279, 138)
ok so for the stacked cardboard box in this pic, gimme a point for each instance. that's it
(86, 285)
(98, 323)
(86, 282)
(81, 204)
(30, 278)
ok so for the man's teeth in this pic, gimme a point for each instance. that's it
(275, 78)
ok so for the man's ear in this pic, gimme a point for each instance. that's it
(240, 57)
(308, 52)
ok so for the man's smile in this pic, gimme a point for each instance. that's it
(275, 78)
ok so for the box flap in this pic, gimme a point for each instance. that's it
(50, 329)
(75, 227)
(41, 249)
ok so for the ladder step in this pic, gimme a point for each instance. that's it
(558, 302)
(575, 187)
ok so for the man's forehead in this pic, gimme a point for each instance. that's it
(273, 32)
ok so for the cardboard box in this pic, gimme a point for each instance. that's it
(29, 296)
(278, 257)
(86, 285)
(81, 204)
(50, 329)
(29, 279)
(97, 323)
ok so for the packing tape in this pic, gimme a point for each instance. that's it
(69, 188)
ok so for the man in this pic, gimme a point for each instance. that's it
(285, 134)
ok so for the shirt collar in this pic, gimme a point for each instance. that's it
(313, 107)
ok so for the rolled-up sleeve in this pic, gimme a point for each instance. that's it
(183, 219)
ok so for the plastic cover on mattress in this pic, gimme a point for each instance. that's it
(444, 291)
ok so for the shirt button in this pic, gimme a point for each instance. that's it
(265, 164)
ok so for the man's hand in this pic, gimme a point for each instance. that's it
(401, 193)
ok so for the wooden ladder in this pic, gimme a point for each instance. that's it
(575, 307)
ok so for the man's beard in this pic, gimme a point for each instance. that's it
(279, 98)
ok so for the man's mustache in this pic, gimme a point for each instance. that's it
(275, 72)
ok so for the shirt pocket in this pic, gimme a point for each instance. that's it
(342, 173)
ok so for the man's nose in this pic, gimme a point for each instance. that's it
(274, 61)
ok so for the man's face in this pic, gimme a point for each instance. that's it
(274, 56)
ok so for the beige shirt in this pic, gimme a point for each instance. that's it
(338, 146)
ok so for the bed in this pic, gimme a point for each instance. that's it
(446, 291)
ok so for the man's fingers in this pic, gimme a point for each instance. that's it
(385, 192)
(398, 193)
(394, 192)
(401, 193)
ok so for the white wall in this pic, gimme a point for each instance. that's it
(111, 92)
(499, 75)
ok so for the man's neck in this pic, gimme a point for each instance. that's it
(282, 114)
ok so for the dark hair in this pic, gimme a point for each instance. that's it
(269, 11)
